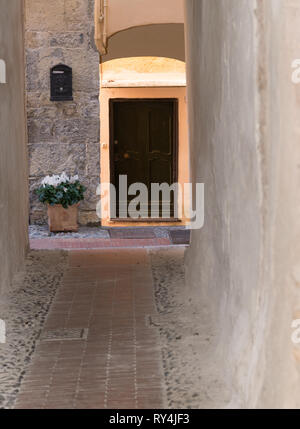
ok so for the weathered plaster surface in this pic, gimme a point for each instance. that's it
(122, 15)
(244, 147)
(13, 154)
(147, 27)
(63, 136)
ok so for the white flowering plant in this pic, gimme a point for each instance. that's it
(61, 189)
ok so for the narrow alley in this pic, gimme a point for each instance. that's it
(149, 204)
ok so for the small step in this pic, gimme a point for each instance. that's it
(180, 236)
(132, 233)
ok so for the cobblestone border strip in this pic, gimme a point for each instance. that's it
(192, 381)
(24, 308)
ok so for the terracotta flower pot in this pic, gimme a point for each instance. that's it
(63, 220)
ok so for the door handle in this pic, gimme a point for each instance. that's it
(116, 142)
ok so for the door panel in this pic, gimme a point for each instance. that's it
(143, 144)
(160, 130)
(160, 170)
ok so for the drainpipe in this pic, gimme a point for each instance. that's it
(101, 25)
(105, 24)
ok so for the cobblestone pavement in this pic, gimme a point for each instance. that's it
(24, 309)
(42, 231)
(187, 340)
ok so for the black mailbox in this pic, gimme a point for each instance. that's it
(61, 83)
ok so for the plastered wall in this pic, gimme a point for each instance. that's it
(243, 266)
(13, 156)
(122, 15)
(160, 21)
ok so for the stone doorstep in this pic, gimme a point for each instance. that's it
(92, 244)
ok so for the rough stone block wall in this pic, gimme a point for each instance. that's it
(62, 136)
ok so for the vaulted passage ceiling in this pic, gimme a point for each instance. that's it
(158, 40)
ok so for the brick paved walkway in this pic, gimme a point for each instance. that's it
(105, 300)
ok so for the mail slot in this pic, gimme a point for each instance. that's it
(61, 83)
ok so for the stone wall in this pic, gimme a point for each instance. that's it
(13, 150)
(62, 136)
(243, 266)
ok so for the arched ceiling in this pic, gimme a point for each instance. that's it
(158, 40)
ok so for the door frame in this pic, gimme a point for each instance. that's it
(175, 103)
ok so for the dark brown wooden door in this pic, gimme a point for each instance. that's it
(143, 145)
